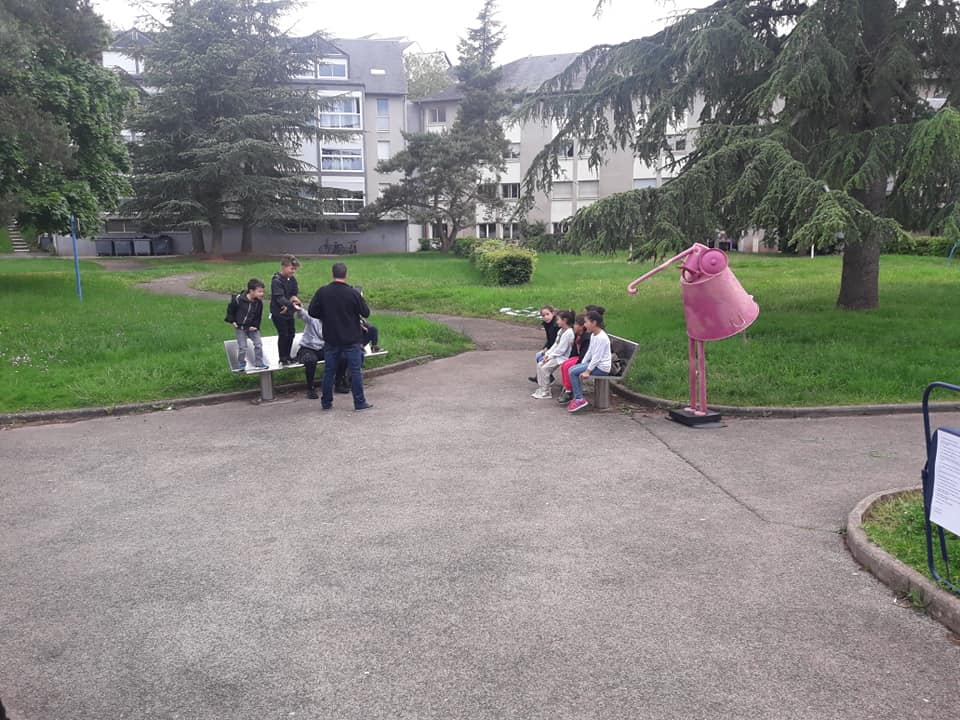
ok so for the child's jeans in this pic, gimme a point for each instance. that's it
(565, 372)
(575, 373)
(254, 336)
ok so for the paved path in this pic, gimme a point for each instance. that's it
(460, 551)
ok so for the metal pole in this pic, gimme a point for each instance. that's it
(76, 257)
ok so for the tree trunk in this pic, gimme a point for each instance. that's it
(448, 236)
(246, 238)
(860, 279)
(196, 235)
(216, 238)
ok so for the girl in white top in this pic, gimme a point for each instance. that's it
(555, 355)
(597, 361)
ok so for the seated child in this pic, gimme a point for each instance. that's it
(597, 361)
(244, 312)
(581, 345)
(555, 354)
(311, 348)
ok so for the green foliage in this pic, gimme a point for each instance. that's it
(427, 73)
(479, 48)
(805, 111)
(221, 133)
(935, 246)
(60, 117)
(502, 264)
(463, 246)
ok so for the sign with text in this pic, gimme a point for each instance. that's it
(945, 500)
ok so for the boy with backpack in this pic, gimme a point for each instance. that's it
(244, 312)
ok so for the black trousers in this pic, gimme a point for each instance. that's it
(286, 330)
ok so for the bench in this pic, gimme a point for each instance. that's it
(271, 357)
(626, 350)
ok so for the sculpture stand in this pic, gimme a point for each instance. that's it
(686, 416)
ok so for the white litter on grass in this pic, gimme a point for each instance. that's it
(521, 312)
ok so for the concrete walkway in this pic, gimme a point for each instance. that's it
(460, 551)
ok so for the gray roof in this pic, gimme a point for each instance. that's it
(525, 75)
(365, 55)
(529, 73)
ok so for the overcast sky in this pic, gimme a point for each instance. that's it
(533, 27)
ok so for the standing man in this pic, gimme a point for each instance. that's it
(283, 302)
(339, 307)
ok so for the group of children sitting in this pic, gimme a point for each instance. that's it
(578, 346)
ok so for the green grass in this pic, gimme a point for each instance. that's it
(5, 245)
(896, 525)
(802, 351)
(122, 344)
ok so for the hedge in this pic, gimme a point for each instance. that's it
(931, 245)
(502, 264)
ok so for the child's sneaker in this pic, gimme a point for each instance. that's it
(239, 368)
(261, 366)
(542, 394)
(565, 397)
(577, 405)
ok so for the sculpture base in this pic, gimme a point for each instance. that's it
(688, 417)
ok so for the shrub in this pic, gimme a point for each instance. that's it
(504, 265)
(484, 246)
(930, 245)
(463, 247)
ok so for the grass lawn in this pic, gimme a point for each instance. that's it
(5, 246)
(122, 344)
(801, 351)
(896, 525)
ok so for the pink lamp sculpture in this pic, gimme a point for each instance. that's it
(715, 306)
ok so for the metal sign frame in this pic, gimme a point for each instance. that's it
(927, 475)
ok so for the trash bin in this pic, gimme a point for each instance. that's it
(123, 247)
(142, 247)
(162, 245)
(104, 247)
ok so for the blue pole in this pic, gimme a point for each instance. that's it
(76, 256)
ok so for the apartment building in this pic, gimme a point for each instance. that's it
(577, 186)
(361, 92)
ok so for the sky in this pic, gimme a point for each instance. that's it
(533, 27)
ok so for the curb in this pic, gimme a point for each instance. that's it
(54, 416)
(939, 604)
(789, 412)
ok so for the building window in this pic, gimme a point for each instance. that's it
(487, 230)
(383, 114)
(383, 149)
(511, 191)
(337, 201)
(436, 115)
(588, 189)
(511, 231)
(561, 228)
(347, 226)
(332, 68)
(568, 150)
(300, 226)
(341, 112)
(512, 152)
(680, 145)
(640, 183)
(561, 191)
(341, 159)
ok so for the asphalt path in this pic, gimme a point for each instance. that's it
(460, 551)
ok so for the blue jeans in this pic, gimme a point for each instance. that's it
(575, 372)
(353, 354)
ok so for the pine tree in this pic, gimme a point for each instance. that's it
(810, 108)
(222, 123)
(479, 48)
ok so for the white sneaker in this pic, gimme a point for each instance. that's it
(542, 395)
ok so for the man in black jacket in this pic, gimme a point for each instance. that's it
(339, 307)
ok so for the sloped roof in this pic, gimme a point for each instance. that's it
(377, 55)
(132, 39)
(529, 73)
(523, 75)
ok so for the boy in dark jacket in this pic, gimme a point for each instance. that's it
(283, 301)
(245, 312)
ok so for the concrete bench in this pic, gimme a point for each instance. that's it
(626, 350)
(271, 358)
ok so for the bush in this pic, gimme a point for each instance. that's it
(929, 245)
(503, 265)
(463, 247)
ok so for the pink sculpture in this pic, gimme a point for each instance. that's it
(715, 306)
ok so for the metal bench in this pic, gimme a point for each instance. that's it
(271, 357)
(626, 350)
